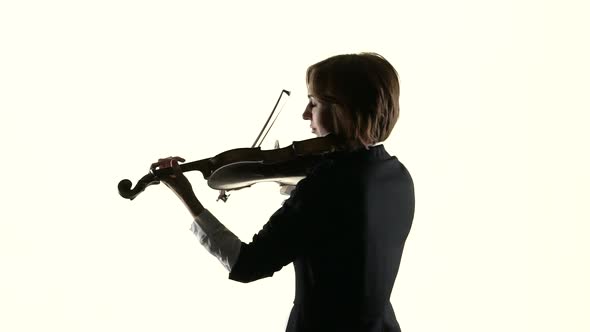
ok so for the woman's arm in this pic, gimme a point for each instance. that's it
(216, 238)
(212, 234)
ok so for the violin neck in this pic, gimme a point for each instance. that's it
(203, 166)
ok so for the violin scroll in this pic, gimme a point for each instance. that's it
(126, 191)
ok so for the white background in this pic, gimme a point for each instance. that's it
(493, 128)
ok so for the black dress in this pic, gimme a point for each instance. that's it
(344, 228)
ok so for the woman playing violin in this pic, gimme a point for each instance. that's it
(345, 224)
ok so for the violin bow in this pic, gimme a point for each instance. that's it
(222, 193)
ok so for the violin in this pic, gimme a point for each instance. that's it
(242, 167)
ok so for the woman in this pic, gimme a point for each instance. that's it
(345, 224)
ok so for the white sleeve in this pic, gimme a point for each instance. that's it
(216, 238)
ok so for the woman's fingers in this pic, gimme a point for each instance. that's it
(167, 162)
(176, 180)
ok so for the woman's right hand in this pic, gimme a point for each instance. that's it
(286, 189)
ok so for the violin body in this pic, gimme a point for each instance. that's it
(245, 174)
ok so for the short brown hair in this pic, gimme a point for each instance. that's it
(362, 95)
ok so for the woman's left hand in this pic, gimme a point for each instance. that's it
(177, 182)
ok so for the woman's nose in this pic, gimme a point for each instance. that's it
(307, 114)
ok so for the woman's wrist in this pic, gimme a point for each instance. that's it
(192, 203)
(194, 206)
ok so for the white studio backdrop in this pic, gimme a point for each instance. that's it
(493, 123)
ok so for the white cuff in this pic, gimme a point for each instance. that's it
(216, 238)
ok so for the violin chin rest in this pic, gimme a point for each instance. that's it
(244, 174)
